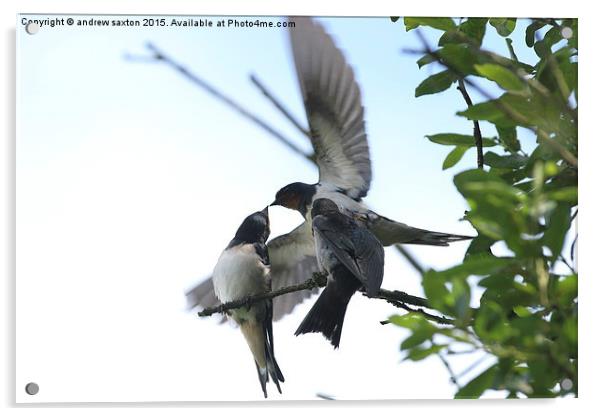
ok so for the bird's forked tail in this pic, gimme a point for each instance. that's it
(328, 313)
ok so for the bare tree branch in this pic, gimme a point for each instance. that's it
(396, 298)
(272, 98)
(160, 56)
(399, 296)
(317, 280)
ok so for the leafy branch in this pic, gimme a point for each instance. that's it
(500, 104)
(526, 318)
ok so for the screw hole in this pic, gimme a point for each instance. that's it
(32, 389)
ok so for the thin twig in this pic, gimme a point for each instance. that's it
(160, 56)
(272, 98)
(452, 376)
(478, 137)
(406, 254)
(566, 263)
(472, 366)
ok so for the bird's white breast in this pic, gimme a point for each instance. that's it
(238, 273)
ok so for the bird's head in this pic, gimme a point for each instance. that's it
(255, 228)
(324, 206)
(295, 196)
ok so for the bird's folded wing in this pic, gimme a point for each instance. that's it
(334, 108)
(358, 249)
(370, 259)
(293, 260)
(340, 242)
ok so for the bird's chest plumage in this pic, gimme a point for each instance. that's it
(238, 273)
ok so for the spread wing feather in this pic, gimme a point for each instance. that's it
(334, 108)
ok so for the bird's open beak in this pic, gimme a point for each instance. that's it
(274, 203)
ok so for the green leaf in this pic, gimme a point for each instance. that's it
(503, 26)
(514, 110)
(477, 266)
(566, 194)
(530, 33)
(440, 23)
(488, 111)
(509, 138)
(459, 57)
(565, 290)
(477, 183)
(460, 298)
(425, 60)
(453, 139)
(479, 247)
(505, 78)
(511, 49)
(435, 83)
(412, 321)
(558, 225)
(418, 354)
(454, 156)
(474, 27)
(513, 161)
(490, 322)
(521, 311)
(475, 388)
(434, 288)
(416, 339)
(394, 18)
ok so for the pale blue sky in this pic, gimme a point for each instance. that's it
(131, 180)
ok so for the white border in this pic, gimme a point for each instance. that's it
(589, 186)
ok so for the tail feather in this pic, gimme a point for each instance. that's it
(434, 238)
(391, 232)
(274, 370)
(260, 339)
(263, 379)
(328, 313)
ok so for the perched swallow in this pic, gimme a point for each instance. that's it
(352, 256)
(243, 269)
(336, 118)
